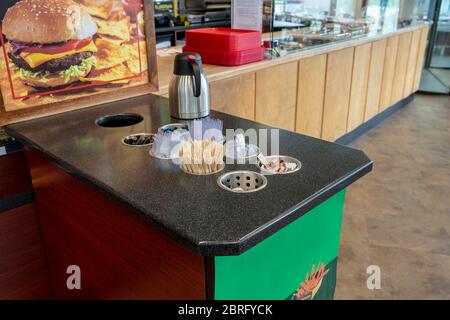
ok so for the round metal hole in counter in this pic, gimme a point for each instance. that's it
(119, 120)
(286, 159)
(242, 181)
(138, 140)
(171, 127)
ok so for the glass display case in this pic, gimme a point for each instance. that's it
(299, 24)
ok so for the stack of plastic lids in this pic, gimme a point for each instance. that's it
(225, 46)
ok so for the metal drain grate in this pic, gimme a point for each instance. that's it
(242, 181)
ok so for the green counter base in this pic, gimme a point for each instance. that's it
(303, 254)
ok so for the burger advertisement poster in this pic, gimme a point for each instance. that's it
(59, 50)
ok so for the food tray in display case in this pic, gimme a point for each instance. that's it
(308, 23)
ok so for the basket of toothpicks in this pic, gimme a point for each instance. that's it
(201, 157)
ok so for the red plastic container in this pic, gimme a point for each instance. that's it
(229, 58)
(223, 39)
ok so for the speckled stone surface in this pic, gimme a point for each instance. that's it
(193, 210)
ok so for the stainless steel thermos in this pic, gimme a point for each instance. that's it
(188, 88)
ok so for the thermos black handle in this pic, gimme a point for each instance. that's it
(197, 77)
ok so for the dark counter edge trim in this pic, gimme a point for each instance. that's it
(16, 200)
(209, 248)
(12, 147)
(210, 278)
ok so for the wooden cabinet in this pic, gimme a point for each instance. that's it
(360, 78)
(375, 79)
(388, 72)
(235, 96)
(23, 266)
(276, 95)
(310, 95)
(412, 63)
(401, 66)
(421, 58)
(120, 257)
(329, 94)
(337, 94)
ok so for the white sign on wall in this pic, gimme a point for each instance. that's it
(247, 14)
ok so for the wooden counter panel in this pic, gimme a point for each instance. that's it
(388, 73)
(23, 266)
(235, 96)
(337, 94)
(401, 66)
(412, 63)
(375, 79)
(276, 95)
(14, 174)
(120, 256)
(421, 58)
(310, 95)
(360, 79)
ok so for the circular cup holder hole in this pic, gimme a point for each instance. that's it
(119, 120)
(291, 164)
(138, 140)
(171, 127)
(242, 181)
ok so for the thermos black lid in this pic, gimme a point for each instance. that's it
(183, 63)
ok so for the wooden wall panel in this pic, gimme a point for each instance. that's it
(23, 266)
(421, 59)
(235, 96)
(375, 79)
(388, 73)
(120, 256)
(412, 63)
(14, 174)
(337, 94)
(360, 78)
(401, 66)
(276, 95)
(310, 96)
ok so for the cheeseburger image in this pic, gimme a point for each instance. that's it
(50, 41)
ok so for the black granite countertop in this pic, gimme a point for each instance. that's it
(193, 210)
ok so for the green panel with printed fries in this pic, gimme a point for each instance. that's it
(298, 262)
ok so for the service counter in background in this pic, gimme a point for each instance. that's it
(325, 92)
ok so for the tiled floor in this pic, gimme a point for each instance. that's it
(398, 217)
